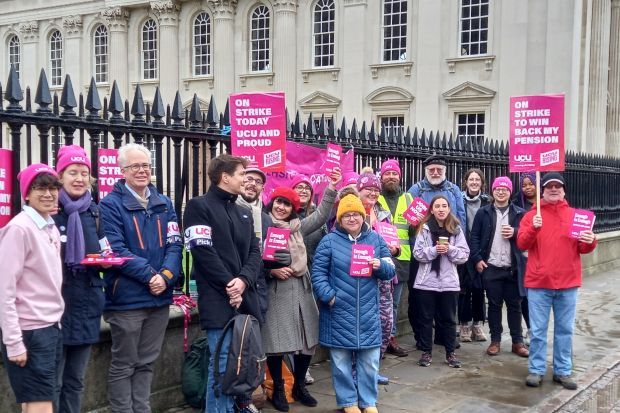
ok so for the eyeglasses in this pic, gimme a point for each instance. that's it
(282, 201)
(255, 181)
(372, 190)
(352, 216)
(501, 190)
(437, 170)
(44, 189)
(135, 167)
(554, 186)
(303, 188)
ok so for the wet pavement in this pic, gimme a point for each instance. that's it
(496, 384)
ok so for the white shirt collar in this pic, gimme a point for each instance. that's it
(147, 194)
(37, 218)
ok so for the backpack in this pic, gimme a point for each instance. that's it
(245, 366)
(194, 373)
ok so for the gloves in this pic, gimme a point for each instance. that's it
(283, 257)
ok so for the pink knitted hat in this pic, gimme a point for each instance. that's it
(368, 180)
(69, 155)
(350, 178)
(29, 173)
(299, 178)
(502, 182)
(390, 165)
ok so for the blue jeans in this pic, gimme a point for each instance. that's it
(349, 393)
(398, 290)
(223, 403)
(71, 377)
(563, 302)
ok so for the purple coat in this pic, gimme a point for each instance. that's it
(425, 252)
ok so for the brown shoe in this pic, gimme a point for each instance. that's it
(494, 348)
(520, 350)
(395, 349)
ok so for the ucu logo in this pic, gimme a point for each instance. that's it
(77, 159)
(522, 158)
(203, 231)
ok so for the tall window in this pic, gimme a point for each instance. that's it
(56, 58)
(202, 44)
(470, 124)
(394, 30)
(397, 123)
(149, 50)
(324, 22)
(259, 39)
(100, 53)
(14, 53)
(474, 28)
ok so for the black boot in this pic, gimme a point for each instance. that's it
(301, 394)
(279, 396)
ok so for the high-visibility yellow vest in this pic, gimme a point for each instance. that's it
(401, 224)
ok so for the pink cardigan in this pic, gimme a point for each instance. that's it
(30, 285)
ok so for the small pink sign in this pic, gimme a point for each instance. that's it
(536, 133)
(258, 129)
(333, 158)
(583, 220)
(360, 256)
(416, 211)
(388, 232)
(104, 260)
(6, 186)
(109, 171)
(276, 239)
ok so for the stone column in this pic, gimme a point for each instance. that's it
(354, 59)
(613, 110)
(223, 53)
(167, 12)
(30, 65)
(117, 18)
(599, 76)
(72, 60)
(284, 50)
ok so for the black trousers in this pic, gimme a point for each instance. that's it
(412, 312)
(471, 305)
(501, 287)
(440, 306)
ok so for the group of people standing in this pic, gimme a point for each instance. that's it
(469, 243)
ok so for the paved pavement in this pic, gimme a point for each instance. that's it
(496, 384)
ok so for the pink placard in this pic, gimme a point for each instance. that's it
(109, 171)
(416, 211)
(6, 186)
(388, 232)
(536, 133)
(583, 220)
(114, 261)
(333, 158)
(360, 256)
(306, 160)
(258, 129)
(276, 239)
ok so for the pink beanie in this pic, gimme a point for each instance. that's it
(29, 173)
(368, 180)
(299, 178)
(390, 165)
(350, 178)
(69, 155)
(502, 182)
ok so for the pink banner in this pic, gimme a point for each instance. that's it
(416, 211)
(583, 220)
(109, 171)
(360, 257)
(306, 160)
(258, 129)
(276, 239)
(388, 232)
(333, 158)
(6, 186)
(536, 133)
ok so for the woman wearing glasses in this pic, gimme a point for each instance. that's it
(292, 320)
(350, 324)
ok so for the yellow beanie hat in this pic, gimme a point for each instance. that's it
(350, 203)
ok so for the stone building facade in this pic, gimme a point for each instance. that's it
(437, 64)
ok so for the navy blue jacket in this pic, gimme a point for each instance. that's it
(427, 192)
(82, 290)
(353, 321)
(482, 237)
(150, 237)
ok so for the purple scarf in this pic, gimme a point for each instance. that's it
(75, 251)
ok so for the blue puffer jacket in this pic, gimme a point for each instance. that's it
(353, 321)
(151, 237)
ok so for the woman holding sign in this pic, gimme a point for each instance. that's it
(348, 265)
(439, 247)
(291, 324)
(82, 287)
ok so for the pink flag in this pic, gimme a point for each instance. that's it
(388, 232)
(109, 171)
(583, 220)
(416, 211)
(360, 257)
(276, 239)
(6, 186)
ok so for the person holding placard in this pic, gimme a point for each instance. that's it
(350, 324)
(82, 289)
(439, 247)
(292, 320)
(552, 277)
(31, 303)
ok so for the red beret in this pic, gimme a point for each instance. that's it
(287, 193)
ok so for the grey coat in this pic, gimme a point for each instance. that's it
(292, 320)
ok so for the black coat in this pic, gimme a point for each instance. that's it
(220, 235)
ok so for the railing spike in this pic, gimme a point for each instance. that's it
(178, 114)
(212, 115)
(93, 103)
(288, 123)
(67, 98)
(42, 96)
(311, 127)
(195, 116)
(227, 113)
(158, 110)
(13, 92)
(115, 106)
(137, 107)
(354, 135)
(343, 135)
(297, 125)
